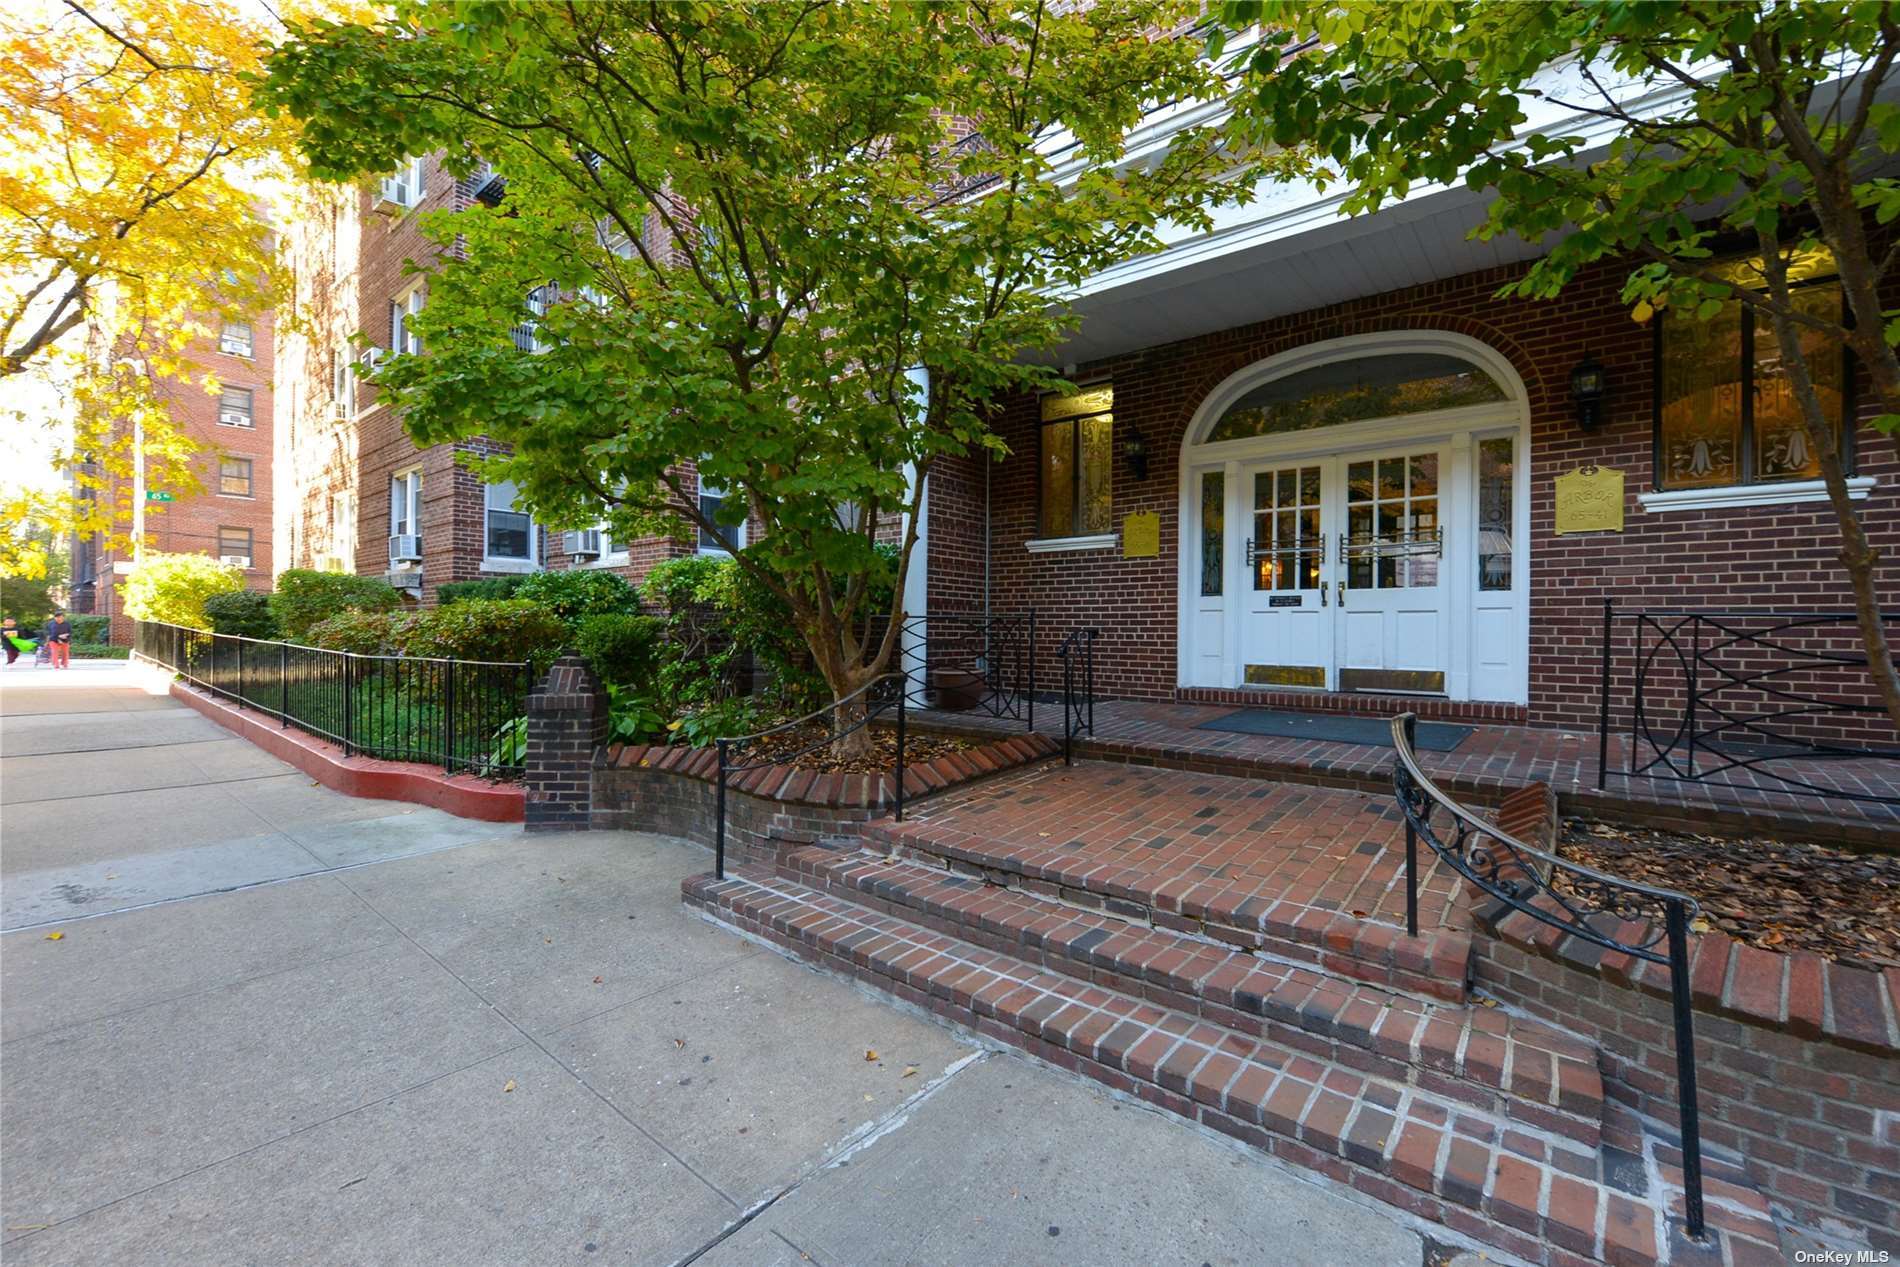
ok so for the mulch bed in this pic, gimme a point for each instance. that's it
(1778, 895)
(918, 748)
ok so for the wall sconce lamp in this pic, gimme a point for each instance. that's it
(1135, 449)
(1589, 384)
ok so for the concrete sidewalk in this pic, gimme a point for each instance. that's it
(281, 1026)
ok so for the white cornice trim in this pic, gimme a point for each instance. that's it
(1055, 545)
(1739, 496)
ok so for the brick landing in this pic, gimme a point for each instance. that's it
(1490, 1175)
(1490, 763)
(1307, 873)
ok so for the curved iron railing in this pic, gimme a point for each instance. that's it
(463, 715)
(882, 694)
(972, 663)
(1759, 695)
(1077, 654)
(1639, 920)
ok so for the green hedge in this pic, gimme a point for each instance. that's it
(94, 631)
(99, 651)
(245, 613)
(305, 597)
(494, 587)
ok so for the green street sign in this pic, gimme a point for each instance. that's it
(156, 495)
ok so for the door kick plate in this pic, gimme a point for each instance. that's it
(1286, 675)
(1430, 681)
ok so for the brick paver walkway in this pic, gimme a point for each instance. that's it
(1491, 761)
(1148, 833)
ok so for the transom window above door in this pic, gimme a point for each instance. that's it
(1381, 385)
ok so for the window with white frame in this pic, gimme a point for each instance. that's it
(403, 310)
(405, 503)
(342, 552)
(730, 537)
(508, 532)
(343, 380)
(235, 406)
(404, 185)
(235, 338)
(527, 333)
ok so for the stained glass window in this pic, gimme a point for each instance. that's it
(1726, 411)
(1379, 386)
(1495, 471)
(1213, 532)
(1078, 462)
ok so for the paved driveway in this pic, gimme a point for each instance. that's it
(246, 1020)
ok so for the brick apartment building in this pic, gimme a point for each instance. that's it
(230, 517)
(356, 493)
(1315, 462)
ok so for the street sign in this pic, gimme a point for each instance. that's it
(157, 495)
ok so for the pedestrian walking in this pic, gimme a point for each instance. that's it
(59, 639)
(10, 634)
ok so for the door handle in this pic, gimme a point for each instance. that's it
(1342, 593)
(1322, 593)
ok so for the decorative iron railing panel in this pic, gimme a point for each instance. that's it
(1772, 701)
(1619, 915)
(466, 716)
(971, 663)
(1077, 654)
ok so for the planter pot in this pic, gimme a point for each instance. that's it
(958, 690)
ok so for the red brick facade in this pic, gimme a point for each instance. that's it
(197, 523)
(1775, 557)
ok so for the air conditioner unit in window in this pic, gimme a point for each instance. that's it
(236, 560)
(234, 347)
(232, 418)
(374, 357)
(405, 547)
(582, 545)
(404, 579)
(392, 196)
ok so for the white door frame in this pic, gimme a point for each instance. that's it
(1457, 428)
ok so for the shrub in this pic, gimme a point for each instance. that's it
(172, 588)
(580, 592)
(96, 631)
(490, 588)
(623, 649)
(361, 632)
(677, 584)
(717, 614)
(305, 597)
(99, 651)
(486, 629)
(245, 613)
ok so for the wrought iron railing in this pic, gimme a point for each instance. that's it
(1077, 654)
(881, 695)
(466, 716)
(1780, 701)
(969, 662)
(1618, 915)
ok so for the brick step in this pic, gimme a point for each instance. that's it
(1509, 1185)
(1509, 1065)
(1436, 964)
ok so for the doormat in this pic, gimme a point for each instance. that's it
(1432, 736)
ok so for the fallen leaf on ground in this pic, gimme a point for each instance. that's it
(509, 1085)
(55, 936)
(680, 1043)
(910, 1071)
(596, 980)
(870, 1053)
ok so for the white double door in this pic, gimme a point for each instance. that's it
(1344, 585)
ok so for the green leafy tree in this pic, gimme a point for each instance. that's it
(757, 221)
(172, 588)
(1761, 121)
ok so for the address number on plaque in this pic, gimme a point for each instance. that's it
(1285, 600)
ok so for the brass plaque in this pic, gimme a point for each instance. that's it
(1141, 536)
(1286, 675)
(1418, 681)
(1590, 499)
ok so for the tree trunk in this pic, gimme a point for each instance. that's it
(845, 670)
(1860, 559)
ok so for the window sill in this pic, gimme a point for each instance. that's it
(1054, 545)
(510, 565)
(1739, 496)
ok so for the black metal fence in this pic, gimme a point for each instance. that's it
(1608, 911)
(855, 712)
(1781, 701)
(466, 716)
(1077, 654)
